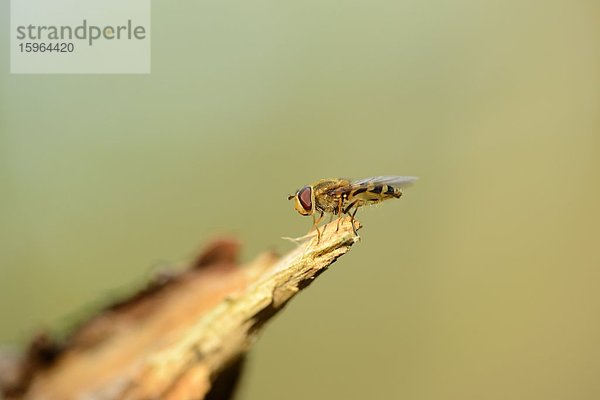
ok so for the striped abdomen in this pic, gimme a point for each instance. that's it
(374, 193)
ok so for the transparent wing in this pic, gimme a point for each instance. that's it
(394, 181)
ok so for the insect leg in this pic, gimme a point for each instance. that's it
(350, 206)
(347, 209)
(315, 224)
(352, 220)
(320, 217)
(325, 226)
(339, 214)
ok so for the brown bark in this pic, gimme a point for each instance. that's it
(183, 337)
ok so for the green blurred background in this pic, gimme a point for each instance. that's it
(481, 283)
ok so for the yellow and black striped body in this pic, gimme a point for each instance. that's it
(331, 194)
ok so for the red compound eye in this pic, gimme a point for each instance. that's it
(305, 198)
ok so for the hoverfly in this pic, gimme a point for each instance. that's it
(343, 196)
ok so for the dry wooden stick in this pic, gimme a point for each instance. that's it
(184, 337)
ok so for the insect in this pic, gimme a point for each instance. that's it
(344, 196)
